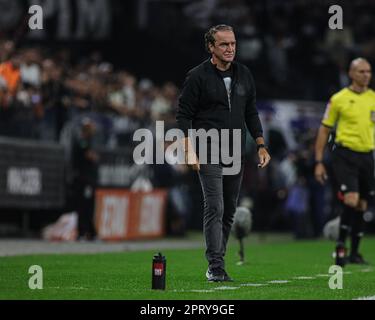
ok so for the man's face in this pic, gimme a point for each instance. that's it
(224, 47)
(88, 129)
(360, 73)
(16, 61)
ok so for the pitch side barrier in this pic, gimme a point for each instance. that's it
(31, 175)
(123, 209)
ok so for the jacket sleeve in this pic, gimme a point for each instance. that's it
(188, 102)
(251, 113)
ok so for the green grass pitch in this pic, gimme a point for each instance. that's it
(303, 264)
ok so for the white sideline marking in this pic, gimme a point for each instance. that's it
(234, 288)
(226, 288)
(178, 290)
(253, 284)
(365, 298)
(83, 288)
(279, 281)
(102, 289)
(69, 288)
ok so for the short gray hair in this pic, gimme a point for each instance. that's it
(209, 35)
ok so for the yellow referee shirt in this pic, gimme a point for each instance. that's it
(354, 115)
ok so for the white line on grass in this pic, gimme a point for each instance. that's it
(365, 298)
(234, 288)
(101, 289)
(253, 284)
(69, 288)
(278, 281)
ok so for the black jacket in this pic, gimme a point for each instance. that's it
(204, 102)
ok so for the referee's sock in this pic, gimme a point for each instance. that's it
(358, 224)
(345, 222)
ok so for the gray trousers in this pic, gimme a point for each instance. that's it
(220, 195)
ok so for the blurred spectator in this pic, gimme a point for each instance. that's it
(6, 50)
(164, 102)
(200, 12)
(53, 93)
(11, 77)
(30, 69)
(84, 161)
(278, 45)
(297, 208)
(179, 201)
(129, 89)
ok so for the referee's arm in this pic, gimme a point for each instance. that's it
(329, 120)
(321, 141)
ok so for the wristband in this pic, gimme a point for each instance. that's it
(260, 146)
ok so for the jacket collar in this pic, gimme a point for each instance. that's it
(212, 69)
(211, 66)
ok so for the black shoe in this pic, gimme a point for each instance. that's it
(227, 277)
(357, 259)
(341, 258)
(214, 275)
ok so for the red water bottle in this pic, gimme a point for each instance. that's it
(159, 264)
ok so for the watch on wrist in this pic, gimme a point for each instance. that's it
(260, 146)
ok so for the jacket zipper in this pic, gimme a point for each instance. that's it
(229, 100)
(230, 94)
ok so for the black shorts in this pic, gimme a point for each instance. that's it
(354, 171)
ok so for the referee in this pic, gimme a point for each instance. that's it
(219, 94)
(352, 112)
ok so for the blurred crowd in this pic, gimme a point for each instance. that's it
(288, 44)
(41, 92)
(85, 104)
(44, 93)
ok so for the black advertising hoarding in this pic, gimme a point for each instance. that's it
(31, 175)
(116, 168)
